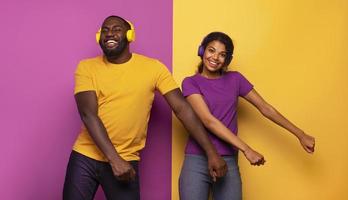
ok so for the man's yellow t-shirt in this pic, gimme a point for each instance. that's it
(125, 94)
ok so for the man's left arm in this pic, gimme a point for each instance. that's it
(184, 112)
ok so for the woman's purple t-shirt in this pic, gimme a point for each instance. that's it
(221, 96)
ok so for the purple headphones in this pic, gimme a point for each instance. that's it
(200, 50)
(201, 47)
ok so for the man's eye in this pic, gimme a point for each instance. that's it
(117, 30)
(105, 30)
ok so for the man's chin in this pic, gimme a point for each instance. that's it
(115, 51)
(112, 52)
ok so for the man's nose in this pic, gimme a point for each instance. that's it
(109, 33)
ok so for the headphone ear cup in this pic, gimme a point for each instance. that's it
(130, 35)
(131, 32)
(200, 51)
(97, 36)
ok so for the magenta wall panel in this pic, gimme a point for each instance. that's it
(41, 44)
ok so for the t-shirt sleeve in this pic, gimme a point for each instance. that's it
(83, 79)
(189, 87)
(244, 85)
(165, 81)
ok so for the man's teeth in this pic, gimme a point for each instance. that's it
(111, 42)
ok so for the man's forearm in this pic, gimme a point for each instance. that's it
(99, 135)
(195, 128)
(216, 165)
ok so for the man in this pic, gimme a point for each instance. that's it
(114, 95)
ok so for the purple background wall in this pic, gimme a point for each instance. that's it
(41, 44)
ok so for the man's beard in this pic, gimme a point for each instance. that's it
(114, 53)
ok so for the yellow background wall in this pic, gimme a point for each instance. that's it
(295, 53)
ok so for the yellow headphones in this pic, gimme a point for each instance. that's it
(130, 35)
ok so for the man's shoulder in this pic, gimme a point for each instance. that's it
(143, 58)
(93, 60)
(90, 64)
(147, 62)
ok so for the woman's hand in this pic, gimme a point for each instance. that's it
(254, 157)
(307, 142)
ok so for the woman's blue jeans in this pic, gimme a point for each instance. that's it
(195, 182)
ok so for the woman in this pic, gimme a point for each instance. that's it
(213, 93)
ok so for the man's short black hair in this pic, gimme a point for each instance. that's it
(120, 18)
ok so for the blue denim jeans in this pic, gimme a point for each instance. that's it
(84, 175)
(195, 182)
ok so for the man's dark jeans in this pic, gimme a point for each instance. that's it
(83, 176)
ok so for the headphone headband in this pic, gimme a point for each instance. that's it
(130, 34)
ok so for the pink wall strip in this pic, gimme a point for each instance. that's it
(42, 42)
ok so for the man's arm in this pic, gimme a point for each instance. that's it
(182, 109)
(87, 105)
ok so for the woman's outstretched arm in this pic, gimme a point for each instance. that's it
(307, 141)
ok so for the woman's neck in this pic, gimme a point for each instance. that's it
(211, 75)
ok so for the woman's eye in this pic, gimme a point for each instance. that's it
(211, 50)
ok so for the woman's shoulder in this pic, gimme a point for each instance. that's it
(233, 73)
(191, 78)
(239, 77)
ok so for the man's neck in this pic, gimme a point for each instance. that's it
(124, 57)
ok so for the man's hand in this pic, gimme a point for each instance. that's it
(217, 166)
(307, 142)
(254, 157)
(123, 170)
